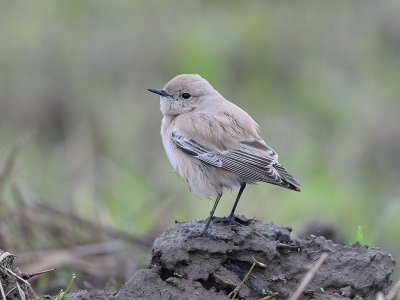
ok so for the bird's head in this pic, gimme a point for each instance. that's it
(183, 94)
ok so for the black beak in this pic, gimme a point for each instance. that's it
(160, 92)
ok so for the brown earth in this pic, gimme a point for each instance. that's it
(210, 267)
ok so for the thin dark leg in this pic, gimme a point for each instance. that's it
(211, 214)
(237, 201)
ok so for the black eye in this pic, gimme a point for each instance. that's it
(186, 96)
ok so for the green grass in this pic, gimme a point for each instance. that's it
(62, 294)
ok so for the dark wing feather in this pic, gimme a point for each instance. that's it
(252, 160)
(285, 174)
(194, 149)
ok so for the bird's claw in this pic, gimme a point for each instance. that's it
(227, 219)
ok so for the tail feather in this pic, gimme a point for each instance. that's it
(292, 183)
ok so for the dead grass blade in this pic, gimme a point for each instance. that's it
(380, 296)
(29, 276)
(309, 276)
(2, 291)
(10, 291)
(394, 291)
(21, 292)
(234, 293)
(17, 276)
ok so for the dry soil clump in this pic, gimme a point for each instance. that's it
(210, 267)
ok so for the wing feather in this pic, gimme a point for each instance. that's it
(251, 160)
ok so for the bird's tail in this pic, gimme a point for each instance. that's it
(292, 184)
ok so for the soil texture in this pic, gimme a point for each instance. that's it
(183, 267)
(186, 266)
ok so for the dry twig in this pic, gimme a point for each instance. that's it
(234, 293)
(9, 292)
(309, 276)
(20, 292)
(223, 281)
(2, 291)
(260, 264)
(380, 296)
(17, 276)
(29, 276)
(394, 291)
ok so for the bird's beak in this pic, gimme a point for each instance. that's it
(160, 92)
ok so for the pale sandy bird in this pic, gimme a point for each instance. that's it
(213, 144)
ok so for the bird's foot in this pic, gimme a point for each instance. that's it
(227, 219)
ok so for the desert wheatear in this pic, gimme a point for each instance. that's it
(213, 144)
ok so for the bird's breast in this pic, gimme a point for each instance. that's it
(169, 146)
(170, 150)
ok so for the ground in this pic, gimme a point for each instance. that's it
(182, 267)
(210, 267)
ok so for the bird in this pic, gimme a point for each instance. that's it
(213, 144)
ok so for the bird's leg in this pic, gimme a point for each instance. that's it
(211, 214)
(195, 234)
(230, 217)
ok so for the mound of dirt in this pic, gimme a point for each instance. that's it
(182, 267)
(211, 267)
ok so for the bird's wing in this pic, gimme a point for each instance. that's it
(253, 160)
(194, 149)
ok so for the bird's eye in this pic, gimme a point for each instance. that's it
(186, 96)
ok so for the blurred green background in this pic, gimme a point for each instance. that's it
(322, 79)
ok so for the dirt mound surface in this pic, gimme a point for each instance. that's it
(210, 267)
